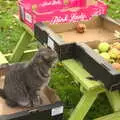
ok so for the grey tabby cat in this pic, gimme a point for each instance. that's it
(23, 81)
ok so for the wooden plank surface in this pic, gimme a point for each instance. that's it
(81, 75)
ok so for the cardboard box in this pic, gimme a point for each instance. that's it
(50, 109)
(62, 37)
(60, 11)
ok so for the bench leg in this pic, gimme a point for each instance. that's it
(114, 99)
(21, 46)
(113, 116)
(84, 105)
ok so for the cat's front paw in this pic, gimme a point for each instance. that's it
(37, 101)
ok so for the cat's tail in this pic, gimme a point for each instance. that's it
(2, 94)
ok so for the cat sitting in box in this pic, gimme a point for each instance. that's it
(23, 81)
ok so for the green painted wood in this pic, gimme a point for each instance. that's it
(2, 59)
(113, 116)
(82, 89)
(114, 99)
(20, 47)
(80, 75)
(28, 54)
(83, 106)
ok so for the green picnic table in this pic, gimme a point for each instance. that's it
(90, 88)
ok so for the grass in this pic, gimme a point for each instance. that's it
(114, 9)
(61, 80)
(10, 31)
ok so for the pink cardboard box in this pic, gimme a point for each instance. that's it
(58, 11)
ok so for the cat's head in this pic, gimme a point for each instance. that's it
(47, 55)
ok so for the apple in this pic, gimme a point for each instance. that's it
(116, 66)
(103, 47)
(81, 28)
(105, 55)
(116, 45)
(114, 53)
(111, 60)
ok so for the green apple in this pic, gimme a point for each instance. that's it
(116, 45)
(105, 55)
(111, 60)
(103, 47)
(114, 53)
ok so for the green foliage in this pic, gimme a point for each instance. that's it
(65, 87)
(10, 30)
(114, 8)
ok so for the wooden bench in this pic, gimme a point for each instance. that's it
(92, 89)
